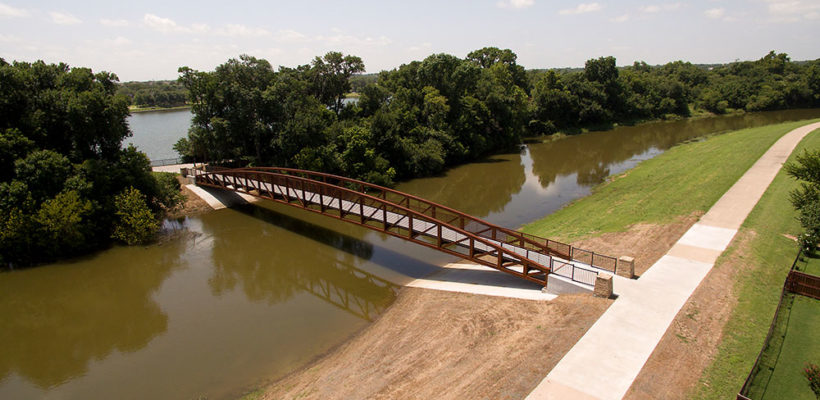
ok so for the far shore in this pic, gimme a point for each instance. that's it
(134, 109)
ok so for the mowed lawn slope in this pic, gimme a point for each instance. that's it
(687, 178)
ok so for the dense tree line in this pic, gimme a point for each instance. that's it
(154, 93)
(419, 118)
(66, 184)
(359, 81)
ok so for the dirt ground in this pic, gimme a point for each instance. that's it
(690, 344)
(444, 345)
(433, 344)
(647, 243)
(193, 205)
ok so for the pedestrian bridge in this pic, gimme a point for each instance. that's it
(414, 219)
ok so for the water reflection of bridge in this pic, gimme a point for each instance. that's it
(341, 284)
(416, 220)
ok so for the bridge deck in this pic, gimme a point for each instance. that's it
(472, 239)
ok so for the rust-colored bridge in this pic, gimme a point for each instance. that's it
(414, 219)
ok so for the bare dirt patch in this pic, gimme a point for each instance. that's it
(443, 345)
(193, 204)
(647, 243)
(690, 343)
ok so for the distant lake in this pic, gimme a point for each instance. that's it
(156, 132)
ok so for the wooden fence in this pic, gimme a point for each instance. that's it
(798, 283)
(803, 284)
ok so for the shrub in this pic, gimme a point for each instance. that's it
(135, 223)
(812, 374)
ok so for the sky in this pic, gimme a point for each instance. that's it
(148, 39)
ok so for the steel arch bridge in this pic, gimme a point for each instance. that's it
(413, 219)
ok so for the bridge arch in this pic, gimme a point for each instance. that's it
(413, 219)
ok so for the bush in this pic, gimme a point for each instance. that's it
(63, 222)
(812, 374)
(168, 194)
(135, 223)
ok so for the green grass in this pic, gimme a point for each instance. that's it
(799, 347)
(809, 265)
(686, 179)
(254, 395)
(769, 257)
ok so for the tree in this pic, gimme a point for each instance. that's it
(63, 222)
(62, 161)
(806, 198)
(330, 77)
(135, 223)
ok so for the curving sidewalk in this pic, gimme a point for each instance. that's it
(603, 364)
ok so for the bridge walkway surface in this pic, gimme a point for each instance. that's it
(418, 220)
(608, 358)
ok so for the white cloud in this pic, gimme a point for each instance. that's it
(793, 10)
(426, 46)
(515, 3)
(715, 13)
(290, 36)
(60, 18)
(9, 39)
(167, 25)
(114, 23)
(582, 9)
(656, 8)
(338, 39)
(8, 11)
(119, 41)
(198, 28)
(620, 18)
(236, 30)
(352, 41)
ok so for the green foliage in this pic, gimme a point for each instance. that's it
(135, 223)
(61, 161)
(168, 191)
(812, 373)
(162, 94)
(424, 116)
(63, 222)
(413, 121)
(806, 198)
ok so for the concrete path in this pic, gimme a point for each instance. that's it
(605, 362)
(219, 199)
(478, 279)
(175, 168)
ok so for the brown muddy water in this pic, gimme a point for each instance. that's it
(242, 296)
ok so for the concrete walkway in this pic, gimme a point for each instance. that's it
(605, 362)
(174, 168)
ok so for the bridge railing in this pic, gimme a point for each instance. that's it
(363, 204)
(457, 218)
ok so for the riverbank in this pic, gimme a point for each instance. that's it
(434, 344)
(135, 109)
(640, 212)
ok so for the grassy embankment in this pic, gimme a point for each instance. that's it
(687, 179)
(758, 292)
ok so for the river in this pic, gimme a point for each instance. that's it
(240, 296)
